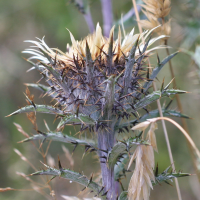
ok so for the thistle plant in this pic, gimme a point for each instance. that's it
(100, 85)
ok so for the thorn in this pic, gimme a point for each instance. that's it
(103, 150)
(147, 73)
(156, 172)
(40, 132)
(90, 179)
(101, 190)
(104, 194)
(168, 104)
(51, 179)
(83, 189)
(103, 157)
(59, 164)
(162, 85)
(87, 147)
(158, 59)
(75, 145)
(92, 150)
(169, 84)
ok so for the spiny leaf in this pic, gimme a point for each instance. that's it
(123, 196)
(120, 166)
(152, 114)
(38, 86)
(165, 176)
(45, 89)
(70, 175)
(58, 136)
(155, 96)
(122, 147)
(157, 70)
(38, 108)
(89, 63)
(129, 67)
(73, 118)
(57, 76)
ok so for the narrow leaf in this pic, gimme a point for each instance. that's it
(73, 118)
(38, 108)
(70, 175)
(60, 137)
(165, 176)
(157, 70)
(120, 166)
(122, 147)
(155, 96)
(152, 114)
(123, 196)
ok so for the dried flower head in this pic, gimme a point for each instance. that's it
(91, 77)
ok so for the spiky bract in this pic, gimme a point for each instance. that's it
(96, 76)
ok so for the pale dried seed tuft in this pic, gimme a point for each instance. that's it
(140, 183)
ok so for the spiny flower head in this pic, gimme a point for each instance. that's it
(97, 77)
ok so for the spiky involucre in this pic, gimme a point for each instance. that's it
(96, 76)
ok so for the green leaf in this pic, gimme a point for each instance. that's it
(120, 166)
(57, 76)
(123, 196)
(152, 114)
(73, 118)
(157, 70)
(38, 108)
(38, 86)
(165, 176)
(155, 96)
(60, 137)
(122, 147)
(72, 176)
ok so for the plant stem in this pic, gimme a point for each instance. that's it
(89, 21)
(107, 16)
(106, 142)
(88, 17)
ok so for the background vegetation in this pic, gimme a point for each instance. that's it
(21, 20)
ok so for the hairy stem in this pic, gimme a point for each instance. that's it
(107, 16)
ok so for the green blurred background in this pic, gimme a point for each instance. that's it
(26, 19)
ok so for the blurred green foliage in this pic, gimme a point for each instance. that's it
(26, 19)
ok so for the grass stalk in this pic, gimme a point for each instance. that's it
(160, 112)
(180, 108)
